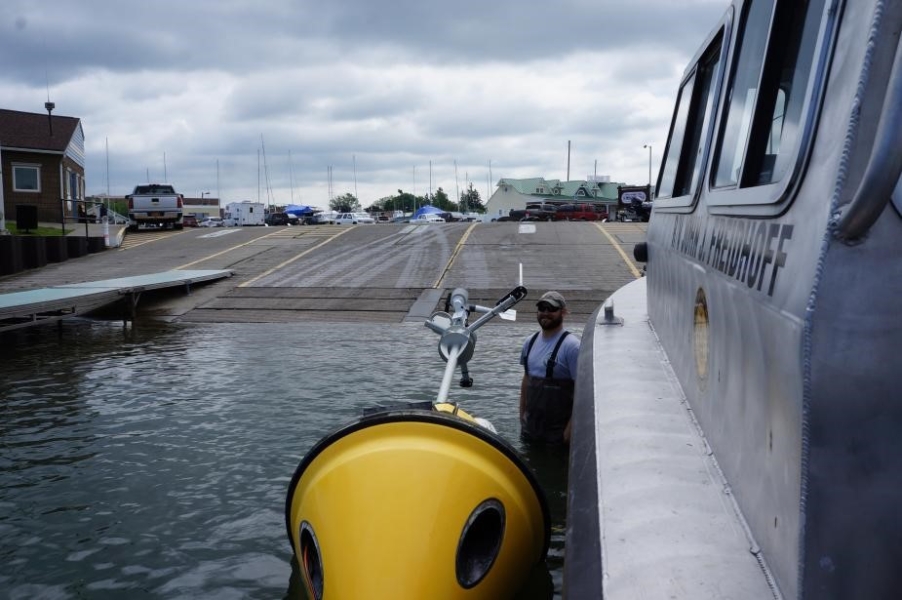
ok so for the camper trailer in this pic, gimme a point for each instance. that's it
(238, 214)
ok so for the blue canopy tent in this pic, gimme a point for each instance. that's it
(300, 211)
(426, 210)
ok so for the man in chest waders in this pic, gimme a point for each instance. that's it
(549, 361)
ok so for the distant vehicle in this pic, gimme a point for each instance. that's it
(636, 211)
(354, 219)
(239, 214)
(428, 218)
(542, 212)
(520, 215)
(579, 212)
(278, 218)
(211, 222)
(154, 205)
(189, 221)
(326, 217)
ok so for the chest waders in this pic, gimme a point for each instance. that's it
(549, 401)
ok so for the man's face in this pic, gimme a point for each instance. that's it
(549, 317)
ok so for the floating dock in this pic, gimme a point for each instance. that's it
(23, 309)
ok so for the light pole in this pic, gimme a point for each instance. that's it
(649, 162)
(202, 194)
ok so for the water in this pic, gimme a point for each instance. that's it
(153, 461)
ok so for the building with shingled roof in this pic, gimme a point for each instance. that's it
(43, 163)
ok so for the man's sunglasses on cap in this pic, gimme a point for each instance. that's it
(545, 307)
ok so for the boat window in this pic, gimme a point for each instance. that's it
(775, 137)
(684, 160)
(675, 145)
(765, 110)
(743, 92)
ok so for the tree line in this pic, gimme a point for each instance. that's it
(407, 202)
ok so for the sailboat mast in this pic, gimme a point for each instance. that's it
(290, 177)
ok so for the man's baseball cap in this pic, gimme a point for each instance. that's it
(554, 299)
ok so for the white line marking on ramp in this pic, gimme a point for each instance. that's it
(217, 234)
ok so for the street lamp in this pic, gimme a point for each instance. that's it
(649, 162)
(202, 194)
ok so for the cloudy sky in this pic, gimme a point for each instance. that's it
(201, 92)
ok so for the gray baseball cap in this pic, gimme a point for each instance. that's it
(554, 299)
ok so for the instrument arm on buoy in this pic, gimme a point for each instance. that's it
(517, 294)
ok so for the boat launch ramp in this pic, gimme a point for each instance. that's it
(385, 273)
(31, 307)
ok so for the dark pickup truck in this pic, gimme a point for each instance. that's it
(541, 212)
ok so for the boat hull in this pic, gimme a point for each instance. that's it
(415, 504)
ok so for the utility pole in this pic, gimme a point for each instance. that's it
(568, 160)
(2, 210)
(457, 188)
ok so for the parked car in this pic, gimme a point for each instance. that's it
(324, 218)
(520, 215)
(277, 218)
(189, 221)
(211, 222)
(428, 218)
(354, 219)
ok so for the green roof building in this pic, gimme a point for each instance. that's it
(515, 194)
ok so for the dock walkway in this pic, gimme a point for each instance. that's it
(31, 307)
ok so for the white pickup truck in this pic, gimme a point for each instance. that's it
(154, 205)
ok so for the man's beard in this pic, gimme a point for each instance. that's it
(548, 322)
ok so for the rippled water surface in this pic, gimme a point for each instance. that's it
(152, 461)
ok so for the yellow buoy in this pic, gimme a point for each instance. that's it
(413, 504)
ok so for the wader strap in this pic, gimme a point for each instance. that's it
(552, 360)
(532, 341)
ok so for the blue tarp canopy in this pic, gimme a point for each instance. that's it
(300, 211)
(427, 210)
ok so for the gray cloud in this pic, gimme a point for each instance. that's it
(389, 86)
